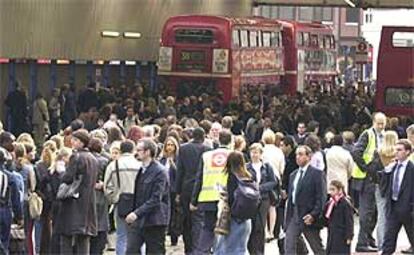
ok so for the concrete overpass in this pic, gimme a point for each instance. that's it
(342, 3)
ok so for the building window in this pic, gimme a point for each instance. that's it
(317, 14)
(274, 12)
(368, 18)
(305, 13)
(352, 15)
(265, 11)
(287, 12)
(327, 14)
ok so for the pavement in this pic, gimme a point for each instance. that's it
(272, 249)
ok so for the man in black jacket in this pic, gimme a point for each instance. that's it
(151, 206)
(189, 158)
(307, 194)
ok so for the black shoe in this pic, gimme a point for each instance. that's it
(366, 249)
(373, 244)
(408, 251)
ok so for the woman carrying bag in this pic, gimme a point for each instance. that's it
(234, 222)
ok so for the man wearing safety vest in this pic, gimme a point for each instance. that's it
(364, 178)
(206, 193)
(410, 136)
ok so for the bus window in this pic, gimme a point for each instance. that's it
(306, 39)
(403, 39)
(280, 38)
(314, 40)
(259, 39)
(399, 97)
(333, 42)
(199, 36)
(266, 39)
(274, 39)
(244, 38)
(299, 39)
(236, 38)
(253, 38)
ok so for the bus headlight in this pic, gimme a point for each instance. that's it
(165, 59)
(220, 61)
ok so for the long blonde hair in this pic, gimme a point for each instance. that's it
(388, 147)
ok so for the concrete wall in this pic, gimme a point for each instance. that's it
(70, 29)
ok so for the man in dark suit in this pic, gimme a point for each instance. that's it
(301, 135)
(148, 222)
(307, 194)
(189, 157)
(400, 197)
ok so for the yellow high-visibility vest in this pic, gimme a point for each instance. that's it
(213, 176)
(368, 155)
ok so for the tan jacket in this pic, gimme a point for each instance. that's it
(339, 165)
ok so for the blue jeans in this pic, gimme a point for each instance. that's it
(5, 225)
(235, 243)
(121, 234)
(381, 209)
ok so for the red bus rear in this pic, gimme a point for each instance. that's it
(395, 75)
(220, 53)
(310, 55)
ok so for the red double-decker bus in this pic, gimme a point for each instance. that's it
(310, 55)
(395, 72)
(223, 53)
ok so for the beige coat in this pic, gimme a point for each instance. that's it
(339, 165)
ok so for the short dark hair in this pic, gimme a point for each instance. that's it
(225, 137)
(406, 143)
(127, 146)
(198, 134)
(337, 140)
(76, 124)
(95, 145)
(149, 144)
(289, 141)
(312, 126)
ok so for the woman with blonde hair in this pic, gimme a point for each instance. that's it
(168, 158)
(386, 156)
(25, 169)
(25, 138)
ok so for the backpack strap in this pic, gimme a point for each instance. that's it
(117, 173)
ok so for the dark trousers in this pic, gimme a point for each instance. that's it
(5, 225)
(256, 242)
(206, 240)
(367, 214)
(153, 237)
(76, 244)
(394, 222)
(192, 225)
(293, 233)
(98, 243)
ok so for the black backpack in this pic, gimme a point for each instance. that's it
(246, 199)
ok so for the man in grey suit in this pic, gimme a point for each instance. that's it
(307, 194)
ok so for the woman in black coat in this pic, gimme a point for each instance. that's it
(338, 214)
(77, 218)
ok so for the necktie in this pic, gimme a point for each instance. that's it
(297, 185)
(396, 183)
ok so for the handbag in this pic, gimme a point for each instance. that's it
(125, 203)
(71, 190)
(35, 205)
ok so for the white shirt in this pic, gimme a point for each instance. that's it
(275, 157)
(401, 172)
(317, 161)
(257, 168)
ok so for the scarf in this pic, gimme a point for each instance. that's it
(333, 201)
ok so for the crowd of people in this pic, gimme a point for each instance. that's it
(226, 177)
